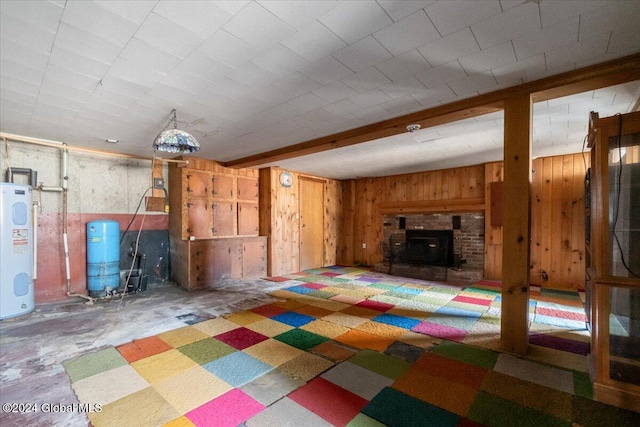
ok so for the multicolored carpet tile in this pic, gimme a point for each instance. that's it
(349, 347)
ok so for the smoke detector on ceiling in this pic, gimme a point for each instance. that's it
(413, 128)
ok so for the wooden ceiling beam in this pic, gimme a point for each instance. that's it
(618, 71)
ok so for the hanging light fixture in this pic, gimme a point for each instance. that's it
(175, 140)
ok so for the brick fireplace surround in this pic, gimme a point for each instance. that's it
(468, 246)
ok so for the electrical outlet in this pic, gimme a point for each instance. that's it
(158, 183)
(364, 246)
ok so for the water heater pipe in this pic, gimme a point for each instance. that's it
(34, 208)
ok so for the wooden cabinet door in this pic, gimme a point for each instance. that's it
(248, 219)
(223, 219)
(248, 188)
(198, 183)
(199, 222)
(222, 186)
(254, 258)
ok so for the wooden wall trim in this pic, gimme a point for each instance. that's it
(610, 73)
(476, 204)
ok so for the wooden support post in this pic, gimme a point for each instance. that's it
(514, 325)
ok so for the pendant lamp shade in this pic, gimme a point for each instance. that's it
(175, 140)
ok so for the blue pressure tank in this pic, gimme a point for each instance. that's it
(103, 256)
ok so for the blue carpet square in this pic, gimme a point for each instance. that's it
(300, 289)
(399, 321)
(294, 319)
(237, 368)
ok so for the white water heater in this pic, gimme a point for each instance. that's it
(16, 250)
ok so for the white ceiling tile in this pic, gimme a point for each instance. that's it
(540, 41)
(366, 80)
(280, 60)
(253, 76)
(308, 102)
(400, 106)
(135, 11)
(398, 9)
(473, 85)
(200, 17)
(353, 20)
(370, 98)
(228, 49)
(78, 63)
(45, 15)
(372, 114)
(232, 6)
(20, 71)
(334, 92)
(362, 54)
(159, 32)
(403, 88)
(298, 13)
(326, 70)
(296, 84)
(609, 18)
(49, 103)
(450, 47)
(132, 72)
(565, 58)
(80, 42)
(624, 41)
(313, 42)
(25, 34)
(186, 82)
(23, 86)
(493, 57)
(404, 65)
(118, 85)
(258, 27)
(232, 89)
(202, 66)
(54, 114)
(17, 96)
(453, 15)
(552, 12)
(344, 106)
(69, 78)
(90, 17)
(434, 96)
(12, 52)
(64, 91)
(7, 106)
(522, 71)
(272, 95)
(318, 116)
(507, 25)
(146, 56)
(409, 33)
(441, 74)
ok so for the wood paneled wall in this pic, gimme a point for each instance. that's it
(557, 224)
(494, 172)
(558, 221)
(280, 220)
(365, 199)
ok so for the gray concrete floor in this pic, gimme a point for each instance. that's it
(33, 346)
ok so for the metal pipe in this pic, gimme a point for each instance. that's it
(46, 188)
(34, 207)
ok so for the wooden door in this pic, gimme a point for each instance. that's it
(311, 223)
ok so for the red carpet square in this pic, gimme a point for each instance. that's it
(241, 338)
(269, 310)
(331, 402)
(375, 305)
(476, 301)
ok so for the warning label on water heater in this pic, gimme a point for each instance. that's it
(20, 240)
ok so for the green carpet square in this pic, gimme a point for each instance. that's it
(491, 410)
(207, 350)
(93, 363)
(385, 365)
(582, 385)
(394, 408)
(464, 353)
(301, 339)
(588, 412)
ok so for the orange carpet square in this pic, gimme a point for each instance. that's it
(360, 339)
(139, 349)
